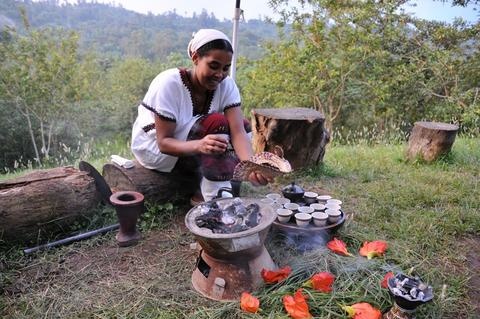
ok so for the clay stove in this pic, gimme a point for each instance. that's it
(230, 263)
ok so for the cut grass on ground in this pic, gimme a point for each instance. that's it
(426, 212)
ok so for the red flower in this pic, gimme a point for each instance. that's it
(338, 247)
(274, 276)
(362, 310)
(387, 276)
(321, 281)
(249, 303)
(373, 249)
(297, 306)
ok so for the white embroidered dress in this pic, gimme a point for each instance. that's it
(169, 97)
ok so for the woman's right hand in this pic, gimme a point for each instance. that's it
(212, 144)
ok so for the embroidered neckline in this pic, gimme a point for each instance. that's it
(196, 109)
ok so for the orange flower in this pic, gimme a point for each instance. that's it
(338, 247)
(321, 281)
(274, 276)
(249, 303)
(387, 276)
(297, 306)
(362, 310)
(372, 249)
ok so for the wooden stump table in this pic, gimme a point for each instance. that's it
(430, 140)
(300, 132)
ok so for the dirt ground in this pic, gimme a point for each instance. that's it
(81, 280)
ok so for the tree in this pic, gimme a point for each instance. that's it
(365, 64)
(41, 78)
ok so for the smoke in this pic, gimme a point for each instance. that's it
(300, 240)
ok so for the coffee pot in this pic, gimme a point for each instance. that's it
(293, 192)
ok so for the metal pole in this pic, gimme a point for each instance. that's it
(236, 18)
(71, 239)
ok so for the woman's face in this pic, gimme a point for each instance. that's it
(212, 68)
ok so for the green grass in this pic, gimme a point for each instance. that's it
(95, 152)
(424, 211)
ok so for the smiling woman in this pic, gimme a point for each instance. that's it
(190, 119)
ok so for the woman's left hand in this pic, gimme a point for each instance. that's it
(257, 179)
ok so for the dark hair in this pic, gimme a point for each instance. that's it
(219, 44)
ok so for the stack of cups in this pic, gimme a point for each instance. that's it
(333, 209)
(319, 216)
(275, 200)
(321, 209)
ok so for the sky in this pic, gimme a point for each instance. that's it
(254, 9)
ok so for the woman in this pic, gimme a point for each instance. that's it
(190, 118)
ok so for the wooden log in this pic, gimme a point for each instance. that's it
(44, 201)
(430, 140)
(300, 132)
(155, 186)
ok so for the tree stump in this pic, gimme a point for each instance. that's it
(430, 140)
(45, 201)
(300, 132)
(155, 186)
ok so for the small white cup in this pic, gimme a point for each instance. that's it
(320, 218)
(317, 207)
(333, 215)
(332, 206)
(284, 215)
(305, 209)
(292, 206)
(276, 205)
(282, 200)
(303, 219)
(334, 201)
(267, 201)
(274, 196)
(310, 197)
(322, 199)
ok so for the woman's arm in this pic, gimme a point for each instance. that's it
(241, 142)
(167, 144)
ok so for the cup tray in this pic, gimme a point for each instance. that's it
(292, 226)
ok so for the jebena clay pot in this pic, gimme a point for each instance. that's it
(293, 192)
(129, 206)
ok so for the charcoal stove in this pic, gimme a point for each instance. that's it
(230, 263)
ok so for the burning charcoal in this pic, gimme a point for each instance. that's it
(413, 292)
(238, 228)
(397, 291)
(229, 218)
(422, 286)
(399, 286)
(252, 217)
(228, 215)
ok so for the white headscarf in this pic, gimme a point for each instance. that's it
(204, 36)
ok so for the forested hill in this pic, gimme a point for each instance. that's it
(115, 31)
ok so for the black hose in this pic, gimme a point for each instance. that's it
(71, 239)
